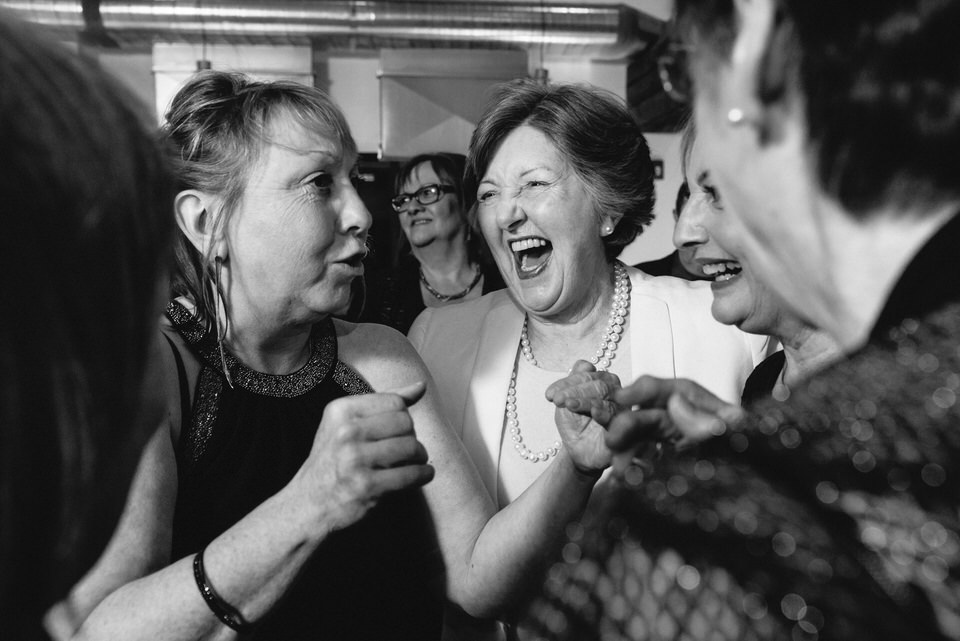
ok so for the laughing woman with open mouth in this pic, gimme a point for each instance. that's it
(563, 181)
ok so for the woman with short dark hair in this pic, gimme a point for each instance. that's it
(442, 259)
(563, 181)
(832, 130)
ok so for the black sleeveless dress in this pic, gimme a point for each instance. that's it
(381, 578)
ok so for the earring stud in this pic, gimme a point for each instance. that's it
(736, 116)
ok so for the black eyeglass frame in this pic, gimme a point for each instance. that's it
(400, 202)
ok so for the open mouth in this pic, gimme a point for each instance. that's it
(530, 255)
(720, 272)
(355, 261)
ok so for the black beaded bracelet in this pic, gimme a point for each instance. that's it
(223, 610)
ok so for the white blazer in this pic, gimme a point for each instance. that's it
(470, 348)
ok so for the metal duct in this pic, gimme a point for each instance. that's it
(605, 31)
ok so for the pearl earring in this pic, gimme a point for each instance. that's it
(607, 229)
(736, 116)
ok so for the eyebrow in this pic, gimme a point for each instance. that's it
(325, 155)
(523, 174)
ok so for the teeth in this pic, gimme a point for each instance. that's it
(722, 271)
(527, 243)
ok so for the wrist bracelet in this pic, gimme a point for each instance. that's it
(223, 610)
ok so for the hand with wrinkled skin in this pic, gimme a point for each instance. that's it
(365, 448)
(675, 410)
(583, 408)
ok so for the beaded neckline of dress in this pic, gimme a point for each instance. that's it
(323, 356)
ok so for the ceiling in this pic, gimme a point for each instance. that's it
(584, 29)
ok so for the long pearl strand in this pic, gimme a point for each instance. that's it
(601, 360)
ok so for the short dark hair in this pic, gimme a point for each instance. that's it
(217, 126)
(86, 197)
(595, 134)
(880, 83)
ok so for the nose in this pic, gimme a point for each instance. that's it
(690, 229)
(414, 207)
(509, 213)
(354, 216)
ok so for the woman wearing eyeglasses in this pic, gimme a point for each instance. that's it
(447, 263)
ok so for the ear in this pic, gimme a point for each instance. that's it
(609, 222)
(759, 64)
(194, 212)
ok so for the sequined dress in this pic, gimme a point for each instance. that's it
(381, 578)
(834, 514)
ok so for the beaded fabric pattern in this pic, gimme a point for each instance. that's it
(322, 355)
(349, 380)
(320, 364)
(204, 412)
(830, 515)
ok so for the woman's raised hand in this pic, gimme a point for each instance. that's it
(584, 406)
(364, 448)
(675, 410)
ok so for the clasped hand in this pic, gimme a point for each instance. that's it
(584, 405)
(649, 411)
(663, 410)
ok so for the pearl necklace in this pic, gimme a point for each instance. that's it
(601, 360)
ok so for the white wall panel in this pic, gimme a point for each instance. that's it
(173, 63)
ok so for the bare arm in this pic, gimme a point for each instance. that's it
(364, 448)
(139, 545)
(492, 558)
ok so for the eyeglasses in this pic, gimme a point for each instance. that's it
(673, 71)
(426, 195)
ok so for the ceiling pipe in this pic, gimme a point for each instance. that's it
(600, 31)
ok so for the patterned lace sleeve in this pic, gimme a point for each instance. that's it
(832, 515)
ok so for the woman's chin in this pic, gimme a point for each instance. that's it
(420, 238)
(726, 313)
(537, 297)
(334, 301)
(533, 300)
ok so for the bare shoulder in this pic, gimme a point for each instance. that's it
(380, 354)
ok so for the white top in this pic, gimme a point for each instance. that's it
(471, 348)
(537, 427)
